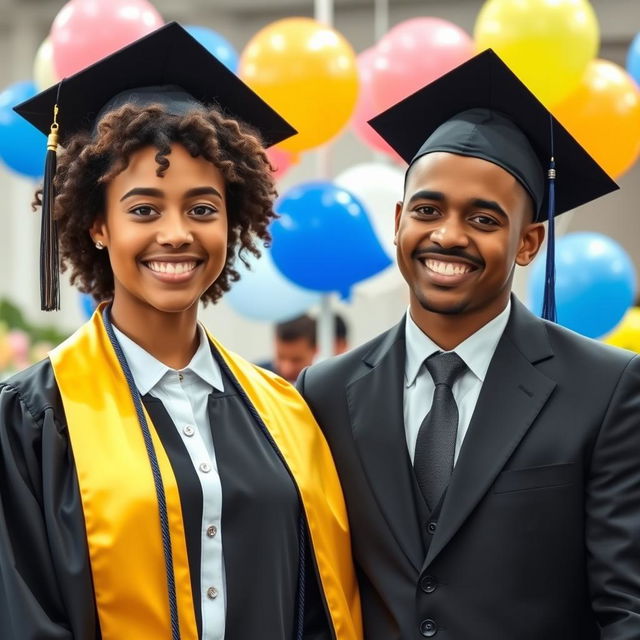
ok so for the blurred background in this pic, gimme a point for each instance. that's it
(328, 66)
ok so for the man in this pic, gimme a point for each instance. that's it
(490, 459)
(295, 345)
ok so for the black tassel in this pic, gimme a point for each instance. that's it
(49, 259)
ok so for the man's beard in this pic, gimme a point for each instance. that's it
(446, 310)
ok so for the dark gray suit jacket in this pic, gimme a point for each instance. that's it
(538, 537)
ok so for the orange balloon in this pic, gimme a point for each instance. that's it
(308, 73)
(603, 114)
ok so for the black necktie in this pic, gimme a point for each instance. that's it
(436, 442)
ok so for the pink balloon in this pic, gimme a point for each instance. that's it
(366, 107)
(281, 160)
(414, 53)
(19, 344)
(84, 31)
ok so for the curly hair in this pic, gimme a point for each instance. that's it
(89, 162)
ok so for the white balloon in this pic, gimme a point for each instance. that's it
(264, 294)
(378, 186)
(44, 72)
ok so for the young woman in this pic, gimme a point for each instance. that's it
(153, 484)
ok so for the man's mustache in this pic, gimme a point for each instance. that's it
(449, 253)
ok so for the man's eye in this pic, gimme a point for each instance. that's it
(485, 220)
(426, 210)
(202, 210)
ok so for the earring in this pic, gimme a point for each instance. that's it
(99, 246)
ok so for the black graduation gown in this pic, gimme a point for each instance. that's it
(46, 589)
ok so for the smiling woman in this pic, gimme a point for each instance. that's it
(152, 484)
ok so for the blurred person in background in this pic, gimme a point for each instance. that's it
(295, 345)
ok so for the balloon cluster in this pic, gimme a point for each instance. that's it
(82, 32)
(551, 45)
(333, 234)
(329, 237)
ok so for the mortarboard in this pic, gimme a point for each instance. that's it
(482, 109)
(169, 67)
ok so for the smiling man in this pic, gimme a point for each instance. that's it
(490, 459)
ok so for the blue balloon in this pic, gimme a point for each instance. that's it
(264, 294)
(22, 146)
(633, 59)
(324, 239)
(595, 283)
(87, 304)
(215, 44)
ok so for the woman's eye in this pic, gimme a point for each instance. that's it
(143, 211)
(203, 210)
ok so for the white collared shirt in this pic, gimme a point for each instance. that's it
(476, 351)
(185, 395)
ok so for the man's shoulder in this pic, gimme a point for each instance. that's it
(339, 370)
(586, 352)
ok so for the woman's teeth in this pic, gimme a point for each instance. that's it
(171, 267)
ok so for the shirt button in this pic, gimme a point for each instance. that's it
(205, 467)
(212, 530)
(431, 527)
(188, 430)
(428, 628)
(212, 593)
(180, 377)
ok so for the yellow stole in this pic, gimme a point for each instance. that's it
(119, 500)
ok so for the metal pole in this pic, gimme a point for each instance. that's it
(380, 18)
(323, 12)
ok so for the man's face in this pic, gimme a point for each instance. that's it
(292, 356)
(463, 226)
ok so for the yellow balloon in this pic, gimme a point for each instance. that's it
(547, 43)
(308, 73)
(603, 114)
(627, 333)
(44, 73)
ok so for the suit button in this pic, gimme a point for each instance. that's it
(428, 584)
(428, 628)
(431, 527)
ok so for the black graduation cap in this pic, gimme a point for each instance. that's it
(169, 67)
(486, 83)
(482, 109)
(169, 59)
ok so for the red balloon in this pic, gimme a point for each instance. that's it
(413, 54)
(366, 107)
(84, 31)
(281, 161)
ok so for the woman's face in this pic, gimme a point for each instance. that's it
(166, 236)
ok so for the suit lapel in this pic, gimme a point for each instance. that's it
(375, 401)
(513, 394)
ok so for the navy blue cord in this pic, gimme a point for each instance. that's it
(549, 300)
(157, 477)
(302, 523)
(301, 575)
